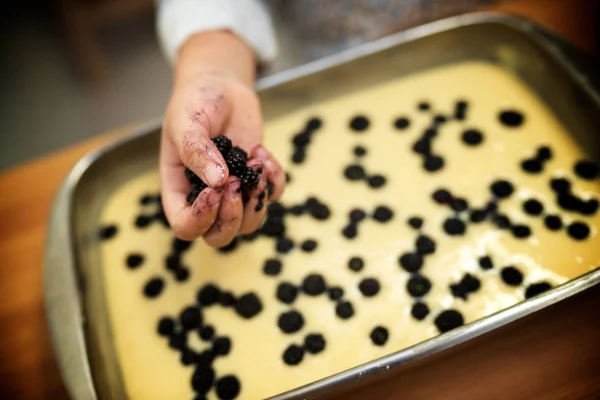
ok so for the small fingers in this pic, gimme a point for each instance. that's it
(256, 206)
(275, 173)
(229, 218)
(190, 222)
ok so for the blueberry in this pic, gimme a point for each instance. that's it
(344, 310)
(359, 123)
(228, 387)
(537, 288)
(448, 320)
(356, 264)
(401, 123)
(108, 232)
(248, 306)
(511, 118)
(383, 214)
(290, 321)
(293, 355)
(472, 137)
(314, 285)
(502, 188)
(418, 285)
(454, 226)
(369, 287)
(154, 287)
(587, 170)
(314, 343)
(419, 311)
(208, 295)
(379, 335)
(533, 207)
(166, 326)
(134, 260)
(376, 181)
(511, 276)
(272, 267)
(286, 292)
(578, 230)
(411, 262)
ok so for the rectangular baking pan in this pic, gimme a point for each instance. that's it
(74, 295)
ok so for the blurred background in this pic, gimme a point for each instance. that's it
(71, 69)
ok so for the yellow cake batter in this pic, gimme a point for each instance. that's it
(152, 370)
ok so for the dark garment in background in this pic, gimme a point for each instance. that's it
(328, 26)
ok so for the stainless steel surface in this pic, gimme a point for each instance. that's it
(73, 282)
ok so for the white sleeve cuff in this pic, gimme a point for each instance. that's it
(178, 20)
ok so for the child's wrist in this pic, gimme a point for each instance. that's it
(218, 52)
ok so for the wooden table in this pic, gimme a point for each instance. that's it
(563, 361)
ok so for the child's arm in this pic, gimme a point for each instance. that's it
(249, 20)
(212, 95)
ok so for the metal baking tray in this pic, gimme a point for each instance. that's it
(74, 295)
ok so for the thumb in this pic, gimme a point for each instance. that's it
(204, 118)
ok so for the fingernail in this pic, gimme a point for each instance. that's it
(214, 174)
(261, 152)
(233, 189)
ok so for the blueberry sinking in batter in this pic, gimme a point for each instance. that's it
(356, 264)
(154, 287)
(418, 285)
(293, 355)
(511, 118)
(454, 227)
(502, 189)
(314, 343)
(314, 285)
(578, 231)
(419, 311)
(272, 267)
(190, 318)
(354, 172)
(486, 263)
(415, 222)
(221, 346)
(344, 310)
(208, 295)
(536, 289)
(108, 232)
(448, 320)
(401, 123)
(411, 262)
(166, 326)
(369, 287)
(383, 214)
(379, 335)
(286, 292)
(588, 170)
(511, 276)
(228, 387)
(360, 123)
(134, 260)
(248, 306)
(290, 322)
(472, 137)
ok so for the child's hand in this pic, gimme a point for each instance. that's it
(213, 95)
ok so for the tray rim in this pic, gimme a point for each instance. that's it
(64, 307)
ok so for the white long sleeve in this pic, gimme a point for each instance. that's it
(177, 20)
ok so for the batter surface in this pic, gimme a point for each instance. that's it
(439, 198)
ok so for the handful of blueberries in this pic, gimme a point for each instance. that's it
(236, 159)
